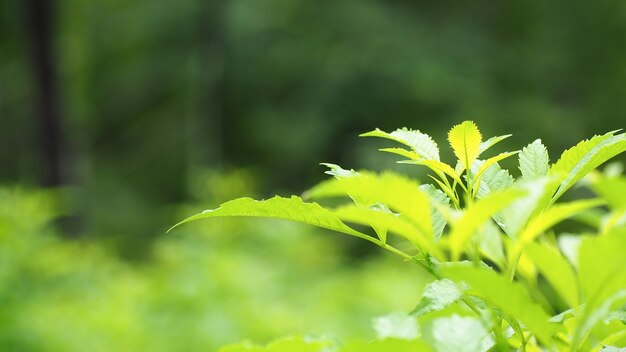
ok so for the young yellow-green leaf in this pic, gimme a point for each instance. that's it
(510, 297)
(476, 215)
(465, 139)
(491, 142)
(556, 269)
(399, 193)
(419, 142)
(293, 209)
(545, 220)
(383, 221)
(587, 155)
(534, 160)
(403, 152)
(437, 167)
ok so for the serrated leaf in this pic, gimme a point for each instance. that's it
(465, 139)
(476, 215)
(402, 152)
(293, 209)
(396, 325)
(399, 193)
(437, 296)
(338, 171)
(486, 164)
(419, 142)
(534, 160)
(584, 157)
(514, 218)
(382, 221)
(556, 269)
(459, 334)
(494, 178)
(510, 297)
(437, 166)
(491, 142)
(550, 217)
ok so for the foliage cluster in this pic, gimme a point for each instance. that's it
(503, 276)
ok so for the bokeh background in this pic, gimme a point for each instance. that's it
(118, 118)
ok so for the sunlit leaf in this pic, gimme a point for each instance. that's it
(512, 298)
(476, 215)
(465, 139)
(419, 142)
(293, 209)
(587, 155)
(534, 160)
(556, 269)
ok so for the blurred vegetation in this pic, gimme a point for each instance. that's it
(196, 102)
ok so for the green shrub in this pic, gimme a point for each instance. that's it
(500, 273)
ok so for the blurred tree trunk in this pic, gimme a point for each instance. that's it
(40, 23)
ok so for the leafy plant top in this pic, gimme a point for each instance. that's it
(500, 272)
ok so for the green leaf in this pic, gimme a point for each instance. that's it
(465, 139)
(459, 334)
(486, 164)
(338, 171)
(550, 217)
(493, 179)
(534, 160)
(556, 269)
(293, 209)
(403, 152)
(476, 215)
(489, 241)
(510, 297)
(491, 142)
(387, 345)
(436, 166)
(438, 199)
(382, 221)
(601, 266)
(587, 155)
(613, 190)
(419, 142)
(399, 193)
(437, 296)
(514, 218)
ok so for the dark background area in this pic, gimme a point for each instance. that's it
(128, 103)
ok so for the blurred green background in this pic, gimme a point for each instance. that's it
(118, 118)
